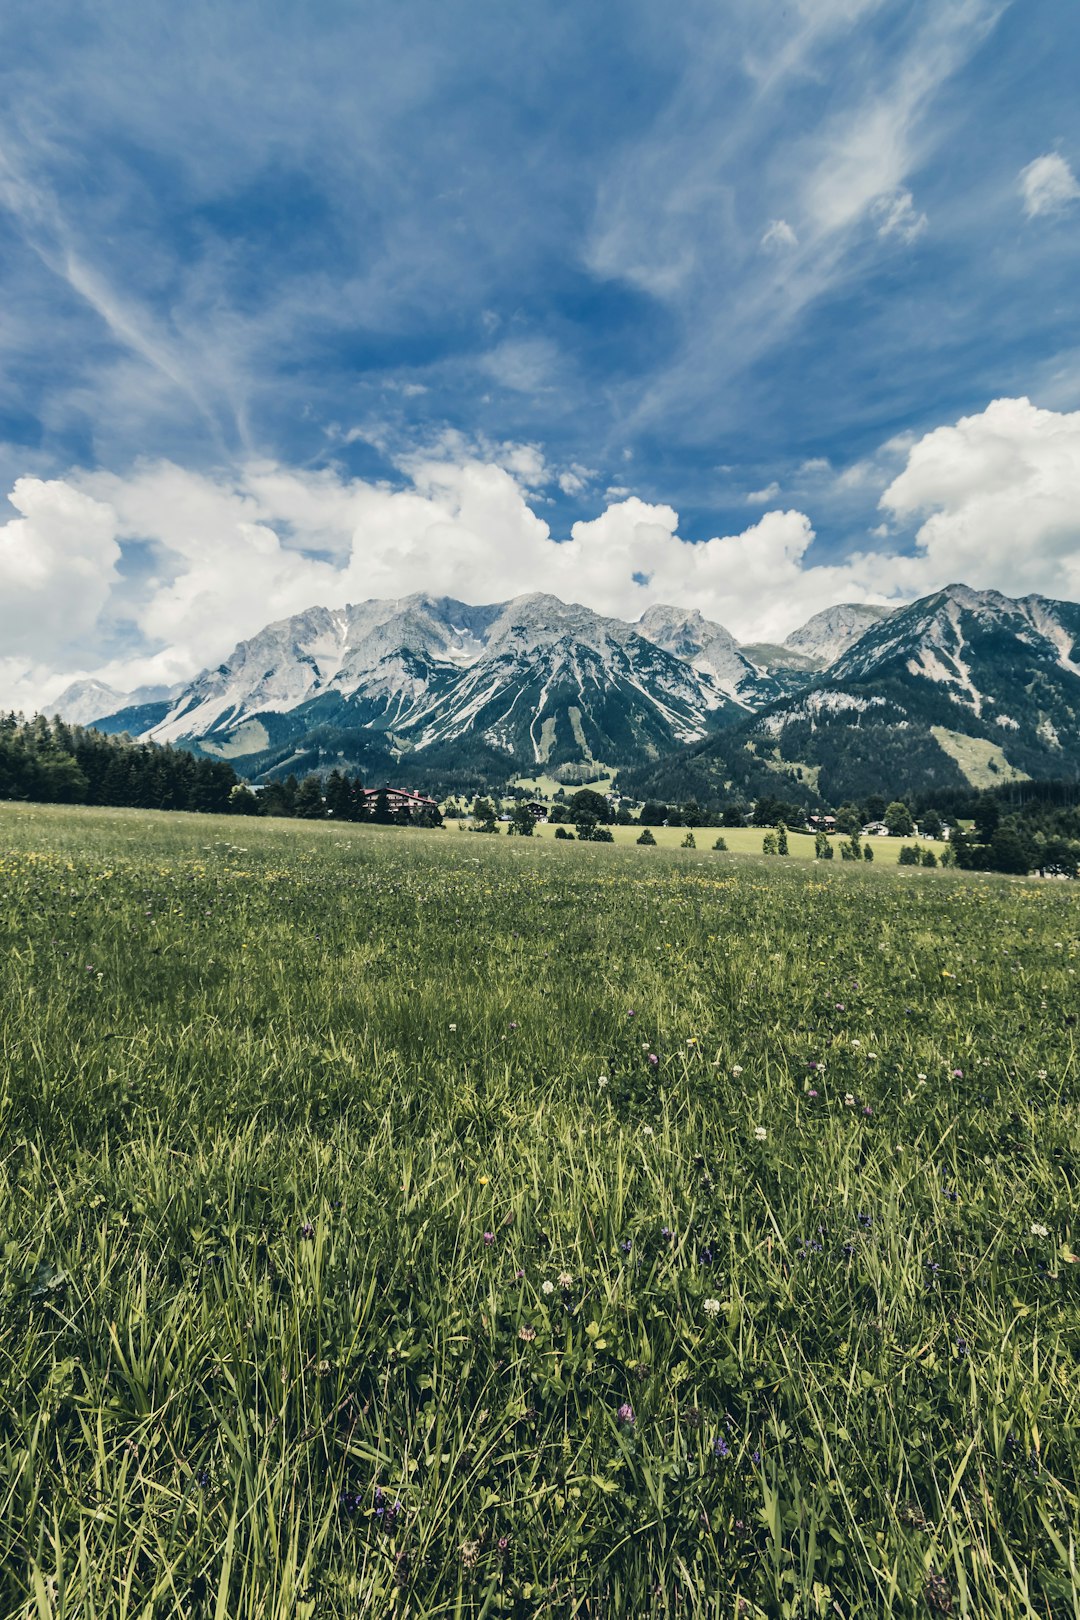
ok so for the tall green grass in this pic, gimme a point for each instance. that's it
(264, 1088)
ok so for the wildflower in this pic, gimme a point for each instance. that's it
(307, 1230)
(647, 1130)
(470, 1552)
(736, 1068)
(691, 1040)
(1041, 1074)
(513, 1026)
(518, 1274)
(868, 1109)
(872, 1055)
(665, 1233)
(625, 1246)
(920, 1076)
(958, 1074)
(755, 1457)
(1039, 1230)
(813, 1092)
(721, 1448)
(453, 1026)
(625, 1415)
(856, 1043)
(849, 1099)
(712, 1307)
(760, 1132)
(489, 1238)
(961, 1347)
(503, 1544)
(565, 1280)
(602, 1081)
(528, 1334)
(547, 1287)
(484, 1180)
(653, 1060)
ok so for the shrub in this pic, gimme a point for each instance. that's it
(909, 855)
(647, 837)
(721, 843)
(688, 842)
(768, 844)
(563, 832)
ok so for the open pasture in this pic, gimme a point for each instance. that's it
(743, 840)
(430, 1224)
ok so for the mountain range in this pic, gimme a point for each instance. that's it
(960, 688)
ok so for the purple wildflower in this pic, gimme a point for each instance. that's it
(489, 1238)
(625, 1415)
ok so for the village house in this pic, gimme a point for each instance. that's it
(398, 799)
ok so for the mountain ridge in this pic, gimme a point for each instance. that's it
(537, 683)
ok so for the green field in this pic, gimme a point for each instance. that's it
(429, 1224)
(739, 840)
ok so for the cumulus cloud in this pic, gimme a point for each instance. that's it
(761, 497)
(779, 235)
(58, 564)
(999, 494)
(1047, 185)
(896, 215)
(990, 501)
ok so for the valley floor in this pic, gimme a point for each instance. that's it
(430, 1224)
(740, 840)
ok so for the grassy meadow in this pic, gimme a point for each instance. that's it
(426, 1224)
(740, 840)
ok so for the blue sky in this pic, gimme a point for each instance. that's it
(726, 258)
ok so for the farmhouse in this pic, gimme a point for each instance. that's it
(398, 799)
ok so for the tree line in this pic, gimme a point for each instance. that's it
(51, 762)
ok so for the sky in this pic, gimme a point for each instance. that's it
(752, 306)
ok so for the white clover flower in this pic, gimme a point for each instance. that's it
(1039, 1230)
(712, 1307)
(920, 1075)
(872, 1055)
(565, 1280)
(547, 1287)
(849, 1099)
(736, 1068)
(760, 1132)
(602, 1080)
(646, 1130)
(1041, 1074)
(856, 1043)
(453, 1026)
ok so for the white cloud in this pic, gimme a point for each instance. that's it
(1000, 490)
(1047, 185)
(761, 497)
(57, 567)
(573, 479)
(896, 215)
(993, 498)
(779, 235)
